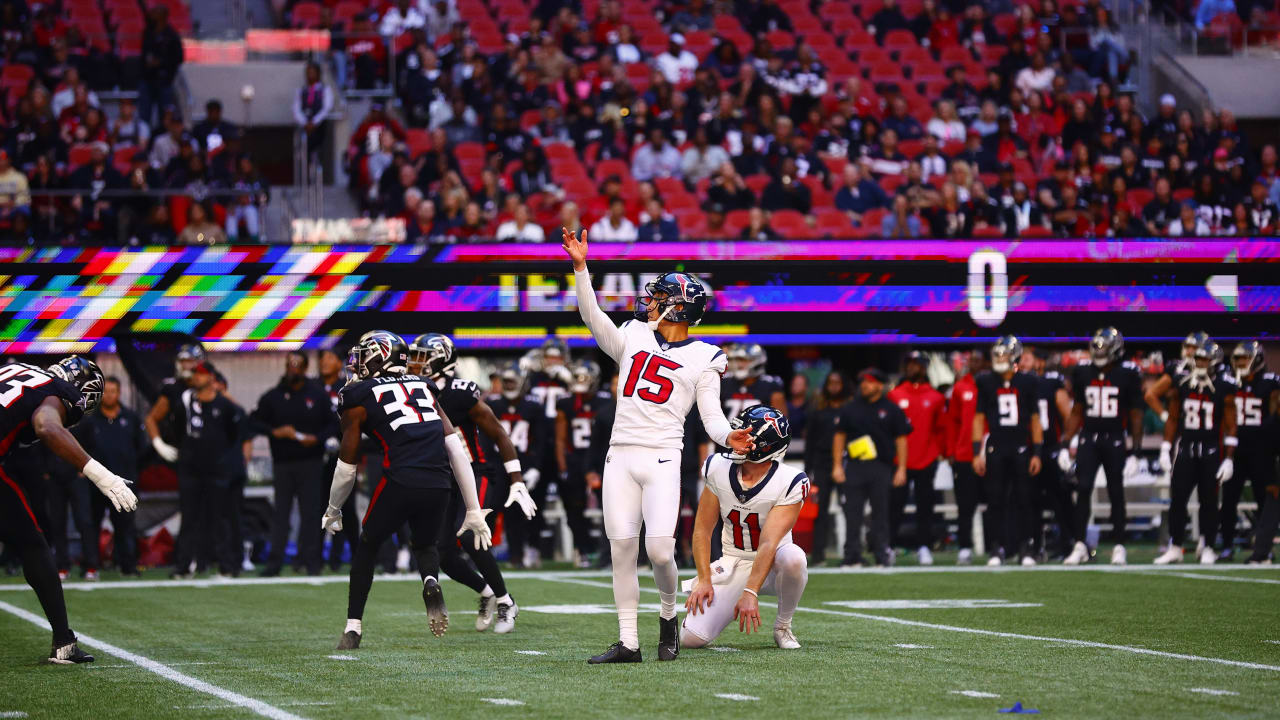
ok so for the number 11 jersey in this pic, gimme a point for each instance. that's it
(744, 510)
(403, 418)
(657, 385)
(1107, 395)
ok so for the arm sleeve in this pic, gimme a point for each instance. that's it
(713, 419)
(607, 335)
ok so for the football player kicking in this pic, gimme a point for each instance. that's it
(434, 355)
(424, 457)
(38, 404)
(759, 499)
(661, 371)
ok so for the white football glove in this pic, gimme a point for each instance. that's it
(520, 494)
(111, 485)
(476, 524)
(531, 477)
(1064, 459)
(332, 520)
(331, 446)
(1166, 456)
(166, 451)
(1130, 468)
(1226, 470)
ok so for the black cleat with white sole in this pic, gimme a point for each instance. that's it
(69, 654)
(668, 639)
(617, 653)
(350, 640)
(437, 613)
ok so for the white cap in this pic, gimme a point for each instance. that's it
(677, 38)
(1168, 99)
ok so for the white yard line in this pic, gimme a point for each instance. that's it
(737, 697)
(1211, 691)
(1220, 578)
(556, 574)
(502, 701)
(988, 633)
(164, 671)
(974, 693)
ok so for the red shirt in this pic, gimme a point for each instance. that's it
(960, 412)
(925, 408)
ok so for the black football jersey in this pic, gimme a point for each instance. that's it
(1107, 396)
(580, 412)
(1047, 387)
(457, 397)
(403, 419)
(172, 425)
(1253, 405)
(1008, 406)
(211, 430)
(525, 423)
(736, 395)
(1202, 406)
(22, 389)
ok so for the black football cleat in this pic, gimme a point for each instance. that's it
(668, 639)
(69, 654)
(617, 653)
(437, 613)
(350, 640)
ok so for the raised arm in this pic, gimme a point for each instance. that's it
(607, 335)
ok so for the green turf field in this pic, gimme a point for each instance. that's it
(1189, 642)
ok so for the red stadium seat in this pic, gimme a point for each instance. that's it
(835, 165)
(15, 77)
(886, 72)
(726, 23)
(956, 55)
(780, 39)
(419, 141)
(555, 151)
(833, 223)
(680, 201)
(736, 220)
(874, 218)
(613, 166)
(306, 14)
(988, 232)
(900, 39)
(79, 154)
(122, 157)
(580, 190)
(819, 195)
(667, 186)
(469, 151)
(1139, 197)
(1036, 231)
(791, 224)
(757, 183)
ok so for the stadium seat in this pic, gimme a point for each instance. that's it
(819, 195)
(1036, 231)
(736, 219)
(419, 141)
(874, 218)
(780, 39)
(667, 186)
(900, 39)
(122, 157)
(790, 223)
(306, 14)
(561, 151)
(79, 154)
(757, 183)
(832, 222)
(988, 232)
(469, 151)
(612, 166)
(1139, 197)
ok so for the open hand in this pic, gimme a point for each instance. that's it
(740, 441)
(701, 598)
(576, 248)
(747, 613)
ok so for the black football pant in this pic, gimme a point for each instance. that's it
(1196, 468)
(968, 487)
(921, 484)
(866, 480)
(1010, 493)
(21, 533)
(448, 541)
(391, 506)
(1053, 495)
(1105, 451)
(124, 535)
(1253, 462)
(522, 531)
(1264, 535)
(573, 496)
(822, 525)
(304, 480)
(350, 521)
(205, 504)
(72, 491)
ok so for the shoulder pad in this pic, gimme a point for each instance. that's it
(466, 386)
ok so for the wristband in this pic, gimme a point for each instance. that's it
(754, 594)
(1037, 448)
(511, 466)
(1231, 441)
(977, 447)
(298, 436)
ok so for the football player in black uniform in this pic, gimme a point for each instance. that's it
(39, 404)
(746, 384)
(575, 418)
(548, 375)
(1055, 407)
(422, 451)
(1155, 395)
(525, 422)
(435, 356)
(1257, 407)
(1108, 394)
(333, 378)
(164, 422)
(1010, 454)
(1202, 418)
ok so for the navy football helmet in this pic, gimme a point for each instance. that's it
(1248, 358)
(379, 354)
(746, 360)
(585, 377)
(677, 288)
(433, 355)
(85, 375)
(1106, 346)
(514, 383)
(189, 355)
(770, 430)
(1006, 353)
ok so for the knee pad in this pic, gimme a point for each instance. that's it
(661, 551)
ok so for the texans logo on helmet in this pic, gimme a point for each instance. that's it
(684, 286)
(772, 420)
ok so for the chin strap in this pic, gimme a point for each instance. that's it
(653, 324)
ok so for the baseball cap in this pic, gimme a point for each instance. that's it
(1168, 99)
(917, 356)
(677, 38)
(1220, 154)
(874, 373)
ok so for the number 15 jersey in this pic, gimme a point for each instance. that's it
(657, 385)
(744, 510)
(402, 416)
(1107, 395)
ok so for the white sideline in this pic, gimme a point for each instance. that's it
(977, 631)
(164, 671)
(556, 574)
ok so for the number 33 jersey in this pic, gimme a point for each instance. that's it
(403, 418)
(658, 384)
(1107, 395)
(744, 510)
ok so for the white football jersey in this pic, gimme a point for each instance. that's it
(744, 511)
(657, 385)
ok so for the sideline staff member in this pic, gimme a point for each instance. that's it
(874, 430)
